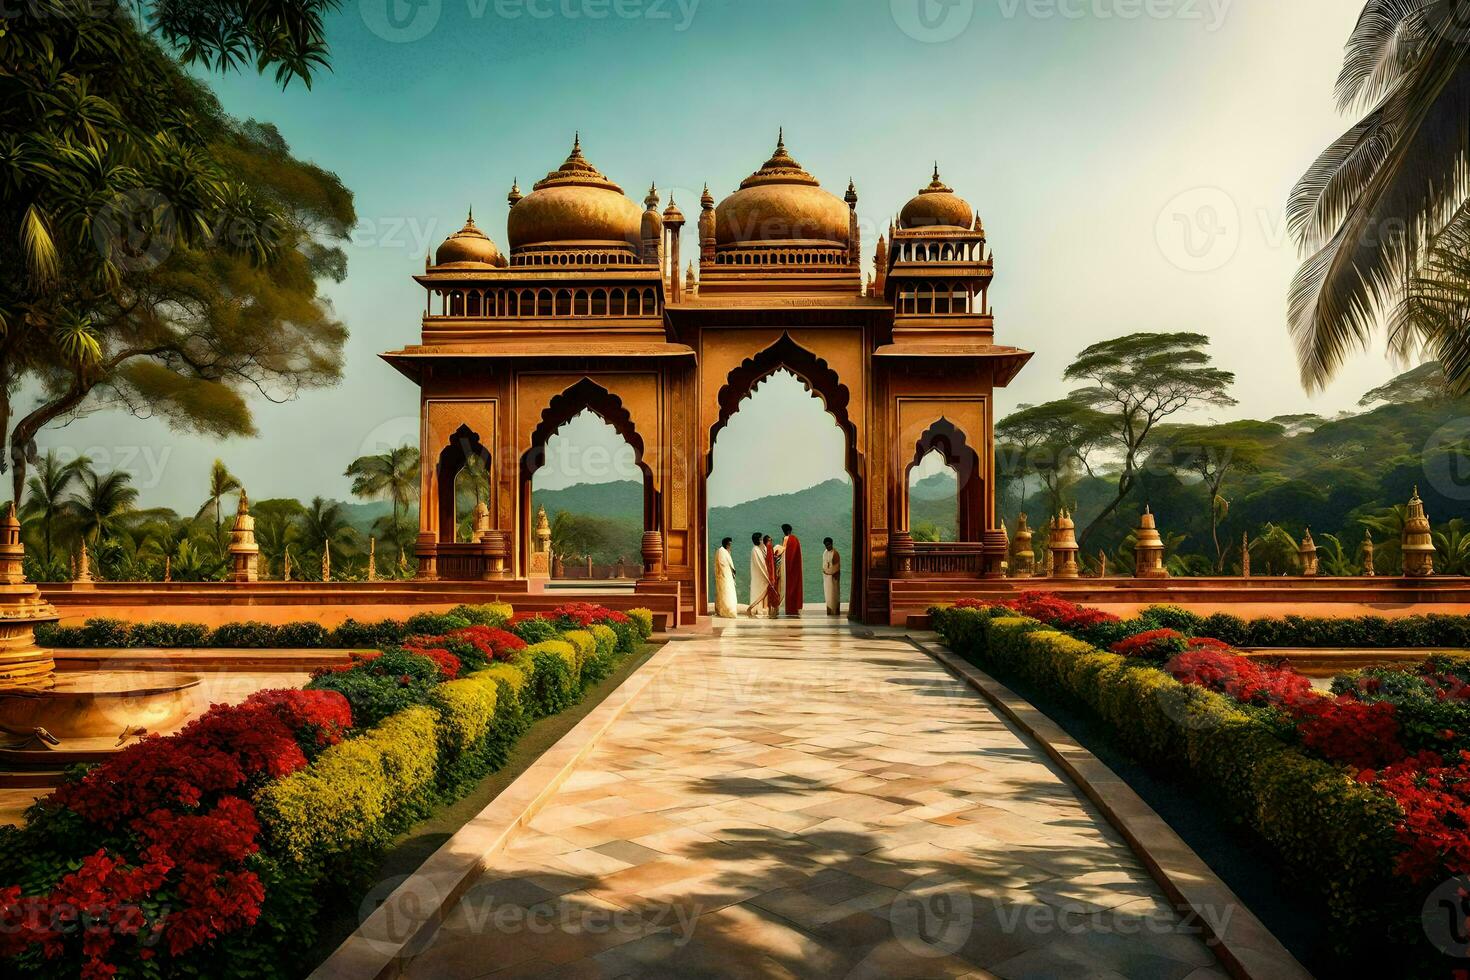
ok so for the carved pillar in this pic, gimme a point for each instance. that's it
(653, 556)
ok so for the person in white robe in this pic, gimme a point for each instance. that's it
(726, 601)
(760, 581)
(831, 577)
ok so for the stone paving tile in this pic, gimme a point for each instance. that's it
(791, 800)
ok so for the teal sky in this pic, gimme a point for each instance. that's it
(1130, 158)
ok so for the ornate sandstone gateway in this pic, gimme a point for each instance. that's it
(592, 310)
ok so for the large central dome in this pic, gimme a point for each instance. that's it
(781, 202)
(574, 203)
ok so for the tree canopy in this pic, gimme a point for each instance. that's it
(157, 255)
(1138, 381)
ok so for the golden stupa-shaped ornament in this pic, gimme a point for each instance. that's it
(1245, 555)
(84, 565)
(1306, 553)
(1148, 548)
(244, 552)
(22, 663)
(1063, 546)
(1368, 555)
(168, 568)
(1023, 558)
(286, 564)
(326, 560)
(372, 566)
(1418, 543)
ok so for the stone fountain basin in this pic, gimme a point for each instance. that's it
(100, 704)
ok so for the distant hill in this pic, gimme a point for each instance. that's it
(821, 511)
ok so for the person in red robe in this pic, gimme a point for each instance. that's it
(773, 590)
(791, 571)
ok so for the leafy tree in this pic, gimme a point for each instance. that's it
(1335, 558)
(1452, 541)
(1051, 442)
(221, 483)
(1369, 207)
(1213, 453)
(102, 503)
(277, 528)
(1275, 551)
(155, 254)
(1138, 381)
(325, 525)
(46, 498)
(1425, 383)
(1387, 528)
(393, 476)
(925, 531)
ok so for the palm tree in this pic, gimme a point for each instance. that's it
(324, 521)
(222, 483)
(103, 503)
(1370, 207)
(1452, 541)
(1387, 527)
(46, 500)
(393, 476)
(275, 531)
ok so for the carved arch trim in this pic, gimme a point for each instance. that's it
(811, 369)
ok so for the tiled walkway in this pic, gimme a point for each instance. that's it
(796, 800)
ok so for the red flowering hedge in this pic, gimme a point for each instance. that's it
(1365, 791)
(164, 859)
(176, 830)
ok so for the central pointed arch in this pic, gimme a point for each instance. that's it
(812, 370)
(819, 378)
(950, 441)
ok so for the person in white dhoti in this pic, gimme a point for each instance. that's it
(831, 577)
(726, 600)
(760, 580)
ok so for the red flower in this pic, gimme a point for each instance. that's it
(1152, 644)
(1359, 733)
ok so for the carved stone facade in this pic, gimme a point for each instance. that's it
(590, 311)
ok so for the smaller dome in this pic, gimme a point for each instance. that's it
(936, 206)
(468, 246)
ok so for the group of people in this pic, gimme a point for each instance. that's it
(775, 577)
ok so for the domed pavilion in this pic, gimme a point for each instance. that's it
(593, 307)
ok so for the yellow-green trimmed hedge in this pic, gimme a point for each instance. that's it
(344, 799)
(607, 639)
(643, 619)
(584, 644)
(1332, 832)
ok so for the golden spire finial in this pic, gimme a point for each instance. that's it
(781, 137)
(470, 217)
(576, 141)
(707, 200)
(936, 170)
(515, 192)
(651, 201)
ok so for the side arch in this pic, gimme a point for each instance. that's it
(585, 395)
(953, 445)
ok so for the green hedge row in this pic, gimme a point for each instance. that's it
(328, 824)
(1331, 834)
(114, 633)
(1435, 630)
